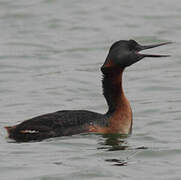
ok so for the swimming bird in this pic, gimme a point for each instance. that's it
(117, 119)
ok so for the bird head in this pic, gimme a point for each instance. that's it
(125, 53)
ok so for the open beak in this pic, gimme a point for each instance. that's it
(140, 48)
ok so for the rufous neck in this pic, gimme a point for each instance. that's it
(112, 87)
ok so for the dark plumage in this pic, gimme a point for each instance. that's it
(118, 118)
(60, 123)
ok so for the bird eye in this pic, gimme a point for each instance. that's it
(132, 44)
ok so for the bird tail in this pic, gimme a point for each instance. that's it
(9, 129)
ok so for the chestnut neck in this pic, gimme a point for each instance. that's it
(112, 87)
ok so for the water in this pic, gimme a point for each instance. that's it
(50, 55)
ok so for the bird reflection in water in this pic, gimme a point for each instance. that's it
(118, 142)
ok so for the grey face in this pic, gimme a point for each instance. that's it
(126, 53)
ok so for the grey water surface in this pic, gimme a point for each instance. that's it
(50, 57)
